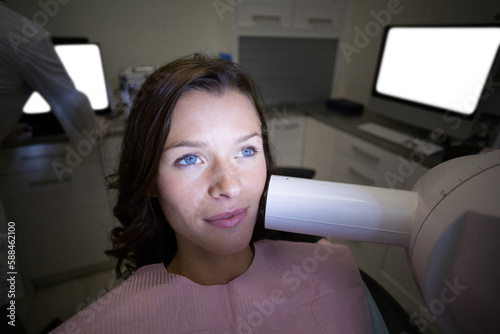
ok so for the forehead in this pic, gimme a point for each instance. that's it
(199, 113)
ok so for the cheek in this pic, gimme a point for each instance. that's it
(178, 199)
(256, 179)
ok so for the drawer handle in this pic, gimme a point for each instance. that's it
(266, 19)
(365, 179)
(287, 126)
(49, 181)
(53, 155)
(365, 154)
(319, 21)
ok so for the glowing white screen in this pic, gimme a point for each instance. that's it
(438, 66)
(84, 66)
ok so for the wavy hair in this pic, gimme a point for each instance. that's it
(145, 236)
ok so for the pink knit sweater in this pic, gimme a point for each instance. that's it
(289, 288)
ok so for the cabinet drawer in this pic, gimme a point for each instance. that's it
(287, 138)
(366, 153)
(30, 157)
(317, 19)
(319, 148)
(55, 244)
(397, 171)
(41, 192)
(264, 16)
(348, 170)
(288, 150)
(37, 157)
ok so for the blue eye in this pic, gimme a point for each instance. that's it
(247, 152)
(188, 160)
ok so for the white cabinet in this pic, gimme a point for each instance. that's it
(56, 197)
(319, 148)
(291, 18)
(360, 162)
(301, 141)
(287, 139)
(271, 15)
(319, 15)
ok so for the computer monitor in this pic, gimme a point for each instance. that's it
(83, 63)
(434, 77)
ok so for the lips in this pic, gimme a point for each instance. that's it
(228, 219)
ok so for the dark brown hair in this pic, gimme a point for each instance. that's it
(145, 236)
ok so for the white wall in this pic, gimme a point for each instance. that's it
(356, 71)
(136, 32)
(152, 32)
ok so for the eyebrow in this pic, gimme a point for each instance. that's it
(197, 144)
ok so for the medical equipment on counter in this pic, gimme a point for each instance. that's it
(449, 224)
(131, 79)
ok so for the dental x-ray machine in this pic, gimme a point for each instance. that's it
(449, 224)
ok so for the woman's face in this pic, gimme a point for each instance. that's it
(212, 172)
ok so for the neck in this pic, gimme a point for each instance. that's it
(211, 269)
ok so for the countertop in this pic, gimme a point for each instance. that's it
(114, 125)
(349, 124)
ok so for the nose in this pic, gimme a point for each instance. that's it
(225, 181)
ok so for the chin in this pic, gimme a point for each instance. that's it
(232, 244)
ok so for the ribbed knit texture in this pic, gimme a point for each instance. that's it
(289, 288)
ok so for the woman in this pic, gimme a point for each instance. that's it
(195, 162)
